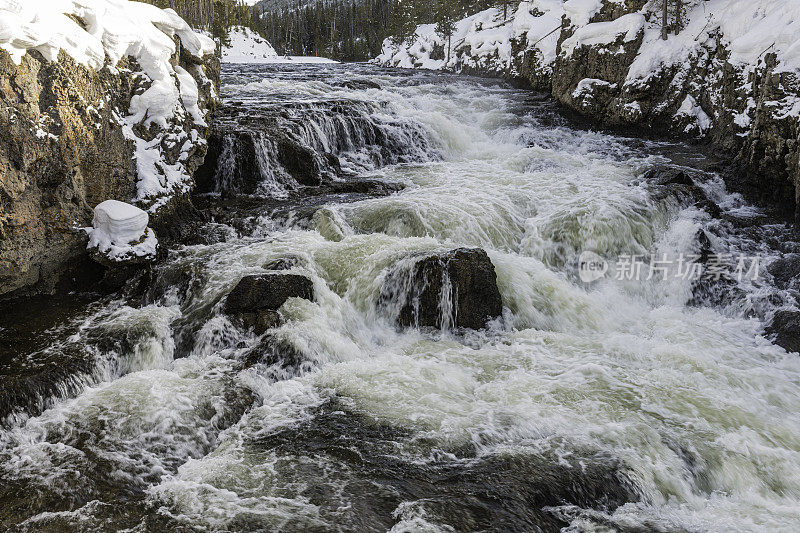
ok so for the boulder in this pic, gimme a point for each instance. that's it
(255, 300)
(668, 181)
(457, 288)
(119, 235)
(784, 330)
(785, 270)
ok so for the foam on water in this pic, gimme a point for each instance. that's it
(697, 407)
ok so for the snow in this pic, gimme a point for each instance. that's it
(246, 46)
(580, 12)
(749, 28)
(587, 85)
(699, 119)
(119, 231)
(601, 33)
(108, 31)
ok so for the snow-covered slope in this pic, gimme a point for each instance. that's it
(246, 46)
(750, 29)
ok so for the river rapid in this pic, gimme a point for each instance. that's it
(616, 405)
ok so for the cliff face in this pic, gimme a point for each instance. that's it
(76, 130)
(729, 71)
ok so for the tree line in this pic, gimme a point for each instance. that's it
(216, 17)
(346, 30)
(354, 30)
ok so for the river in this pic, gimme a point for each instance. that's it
(620, 404)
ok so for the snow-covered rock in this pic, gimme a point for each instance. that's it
(119, 233)
(99, 99)
(246, 46)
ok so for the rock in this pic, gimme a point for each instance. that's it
(120, 234)
(274, 351)
(63, 149)
(711, 290)
(464, 279)
(784, 329)
(673, 181)
(259, 321)
(282, 263)
(255, 300)
(785, 270)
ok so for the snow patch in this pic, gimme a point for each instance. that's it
(601, 33)
(698, 118)
(246, 46)
(119, 232)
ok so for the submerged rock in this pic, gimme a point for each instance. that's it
(668, 180)
(255, 300)
(457, 288)
(785, 270)
(784, 330)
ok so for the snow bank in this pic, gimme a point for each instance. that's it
(246, 46)
(119, 232)
(98, 34)
(481, 39)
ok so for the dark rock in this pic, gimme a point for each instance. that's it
(299, 160)
(468, 275)
(712, 289)
(274, 351)
(366, 186)
(668, 181)
(282, 263)
(784, 330)
(361, 84)
(785, 270)
(259, 321)
(254, 301)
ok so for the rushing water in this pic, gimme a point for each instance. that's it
(599, 407)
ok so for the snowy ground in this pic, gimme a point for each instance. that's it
(247, 46)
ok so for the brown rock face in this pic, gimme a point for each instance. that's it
(63, 151)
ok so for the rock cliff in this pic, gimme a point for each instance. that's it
(728, 72)
(90, 111)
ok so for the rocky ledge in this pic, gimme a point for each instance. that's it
(90, 111)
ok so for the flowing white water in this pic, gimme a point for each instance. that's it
(696, 409)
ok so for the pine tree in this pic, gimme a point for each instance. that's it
(445, 16)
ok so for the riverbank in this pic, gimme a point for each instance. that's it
(726, 75)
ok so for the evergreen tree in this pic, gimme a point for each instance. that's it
(446, 15)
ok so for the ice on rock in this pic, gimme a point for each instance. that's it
(119, 232)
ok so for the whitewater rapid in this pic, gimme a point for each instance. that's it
(658, 415)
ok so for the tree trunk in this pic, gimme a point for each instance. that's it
(664, 22)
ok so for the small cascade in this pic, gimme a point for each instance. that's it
(271, 151)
